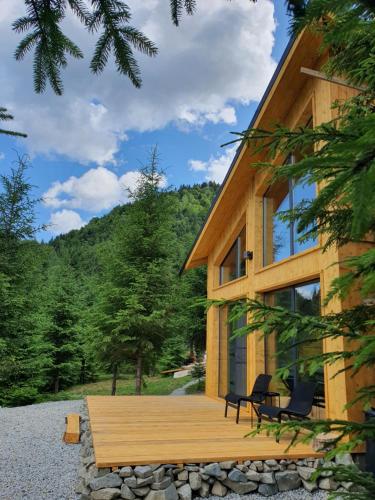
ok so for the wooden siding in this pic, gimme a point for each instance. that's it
(315, 98)
(136, 430)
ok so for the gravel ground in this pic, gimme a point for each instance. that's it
(300, 494)
(34, 462)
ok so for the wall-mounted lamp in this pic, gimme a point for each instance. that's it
(248, 255)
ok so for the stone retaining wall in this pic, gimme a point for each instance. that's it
(173, 482)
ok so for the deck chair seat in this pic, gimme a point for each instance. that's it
(299, 406)
(257, 396)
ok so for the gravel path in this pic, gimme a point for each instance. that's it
(34, 462)
(300, 494)
(182, 390)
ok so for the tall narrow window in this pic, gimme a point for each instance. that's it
(234, 263)
(281, 238)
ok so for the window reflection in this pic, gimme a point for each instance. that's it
(280, 238)
(303, 299)
(234, 264)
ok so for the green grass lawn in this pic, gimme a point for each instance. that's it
(197, 388)
(157, 386)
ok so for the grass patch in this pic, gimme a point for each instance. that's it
(197, 388)
(154, 386)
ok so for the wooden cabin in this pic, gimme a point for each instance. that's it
(250, 253)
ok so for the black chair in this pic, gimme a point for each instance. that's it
(299, 406)
(257, 395)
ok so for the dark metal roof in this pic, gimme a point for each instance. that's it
(251, 124)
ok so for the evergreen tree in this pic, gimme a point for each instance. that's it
(23, 352)
(61, 328)
(6, 116)
(133, 317)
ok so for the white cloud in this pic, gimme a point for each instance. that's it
(97, 189)
(217, 58)
(64, 221)
(216, 167)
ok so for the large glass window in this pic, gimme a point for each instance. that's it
(281, 238)
(304, 299)
(234, 264)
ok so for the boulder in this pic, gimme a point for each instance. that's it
(144, 481)
(141, 492)
(328, 484)
(237, 476)
(271, 465)
(344, 459)
(267, 490)
(131, 482)
(158, 474)
(184, 493)
(192, 468)
(228, 465)
(179, 483)
(218, 489)
(143, 471)
(195, 481)
(183, 475)
(259, 465)
(242, 467)
(305, 472)
(169, 493)
(213, 470)
(111, 480)
(241, 488)
(126, 472)
(161, 485)
(267, 478)
(204, 490)
(252, 475)
(310, 486)
(288, 480)
(127, 493)
(105, 494)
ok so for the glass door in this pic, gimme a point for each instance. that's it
(237, 357)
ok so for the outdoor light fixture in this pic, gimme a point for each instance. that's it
(248, 255)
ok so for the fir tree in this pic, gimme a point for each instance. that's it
(23, 352)
(133, 317)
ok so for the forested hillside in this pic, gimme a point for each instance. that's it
(57, 325)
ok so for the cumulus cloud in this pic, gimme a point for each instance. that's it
(215, 167)
(64, 221)
(97, 189)
(217, 58)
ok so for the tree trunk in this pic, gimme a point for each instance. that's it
(83, 371)
(138, 376)
(56, 384)
(114, 380)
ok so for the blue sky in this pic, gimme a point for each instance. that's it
(86, 146)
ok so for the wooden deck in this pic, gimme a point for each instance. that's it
(131, 430)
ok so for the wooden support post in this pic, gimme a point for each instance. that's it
(72, 432)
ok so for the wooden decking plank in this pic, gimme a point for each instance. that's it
(130, 430)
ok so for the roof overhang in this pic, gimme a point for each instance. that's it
(286, 82)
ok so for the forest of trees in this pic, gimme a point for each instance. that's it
(102, 299)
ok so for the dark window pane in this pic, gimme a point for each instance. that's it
(228, 269)
(234, 264)
(242, 250)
